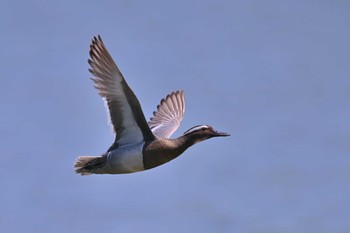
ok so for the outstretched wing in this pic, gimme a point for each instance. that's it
(168, 116)
(128, 120)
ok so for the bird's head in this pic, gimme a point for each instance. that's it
(202, 132)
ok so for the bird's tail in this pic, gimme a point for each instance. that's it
(87, 165)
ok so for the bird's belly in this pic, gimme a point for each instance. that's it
(126, 159)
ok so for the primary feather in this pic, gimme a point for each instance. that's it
(166, 120)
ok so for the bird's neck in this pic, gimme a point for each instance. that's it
(163, 150)
(185, 141)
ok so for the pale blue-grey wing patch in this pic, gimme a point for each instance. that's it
(129, 123)
(168, 116)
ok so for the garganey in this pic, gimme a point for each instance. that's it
(139, 145)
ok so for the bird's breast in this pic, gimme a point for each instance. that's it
(160, 151)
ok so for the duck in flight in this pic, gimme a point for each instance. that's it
(139, 145)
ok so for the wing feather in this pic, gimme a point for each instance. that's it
(127, 118)
(166, 120)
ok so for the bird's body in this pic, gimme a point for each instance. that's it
(138, 145)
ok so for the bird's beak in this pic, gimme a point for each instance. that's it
(220, 134)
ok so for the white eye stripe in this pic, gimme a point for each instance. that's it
(196, 128)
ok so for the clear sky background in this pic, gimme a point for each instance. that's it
(274, 74)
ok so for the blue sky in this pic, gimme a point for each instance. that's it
(274, 74)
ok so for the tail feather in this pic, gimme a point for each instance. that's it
(87, 165)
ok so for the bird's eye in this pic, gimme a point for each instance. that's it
(203, 128)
